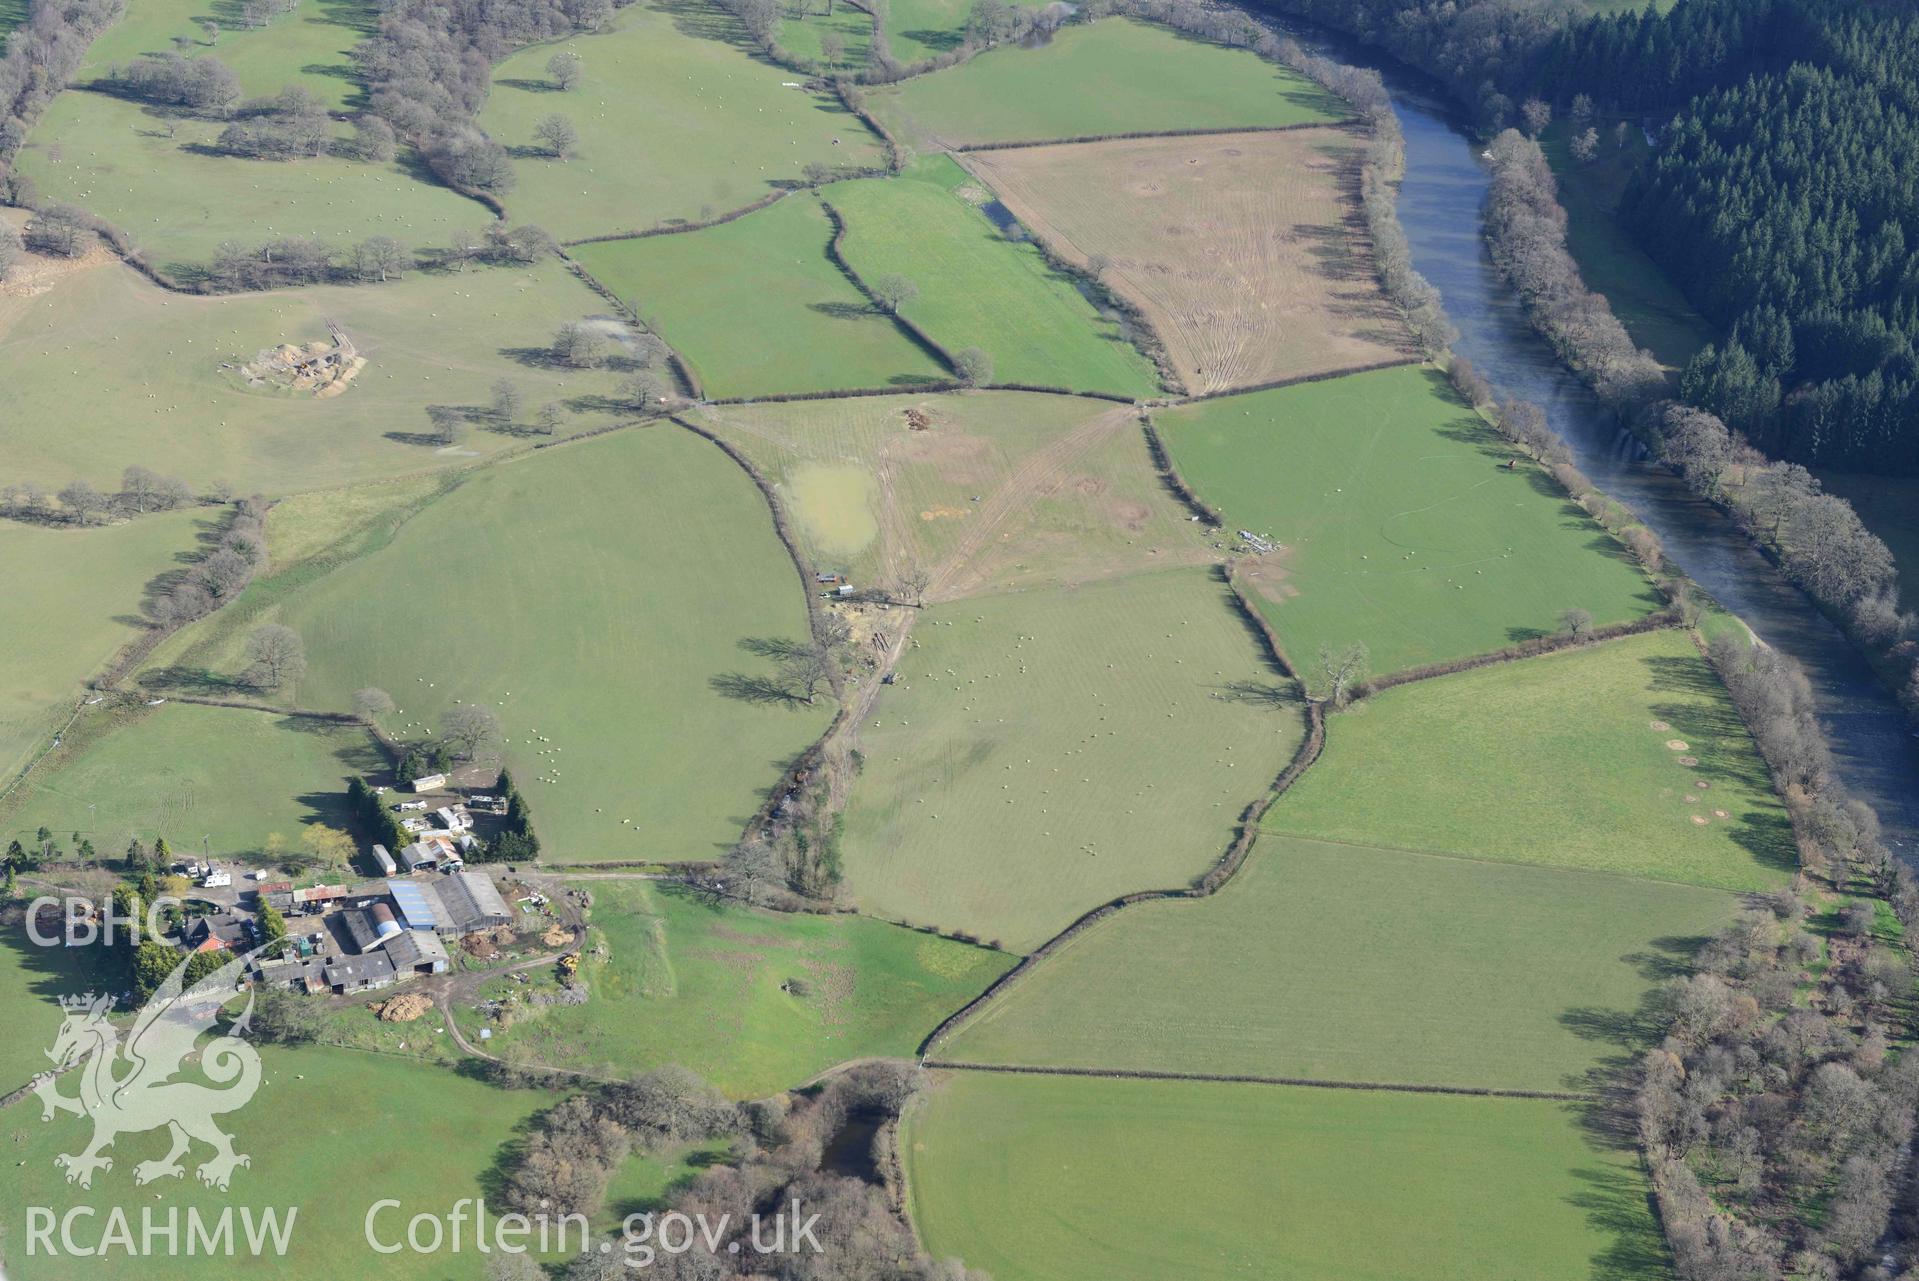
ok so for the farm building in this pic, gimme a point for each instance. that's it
(471, 902)
(220, 930)
(316, 897)
(416, 952)
(431, 783)
(370, 926)
(361, 973)
(419, 908)
(385, 861)
(454, 818)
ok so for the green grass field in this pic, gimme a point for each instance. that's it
(312, 46)
(1560, 760)
(921, 29)
(1046, 751)
(12, 14)
(1343, 963)
(589, 596)
(755, 1002)
(1399, 525)
(187, 772)
(32, 981)
(1059, 1179)
(1065, 489)
(677, 121)
(73, 599)
(979, 289)
(756, 307)
(310, 1131)
(803, 37)
(168, 397)
(1651, 307)
(1107, 77)
(176, 200)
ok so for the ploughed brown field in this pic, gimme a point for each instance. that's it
(1245, 251)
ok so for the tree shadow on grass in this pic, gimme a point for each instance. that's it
(530, 86)
(938, 41)
(762, 691)
(845, 310)
(1618, 1203)
(181, 678)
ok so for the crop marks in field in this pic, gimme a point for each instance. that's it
(677, 121)
(1345, 963)
(755, 307)
(987, 491)
(596, 598)
(1243, 250)
(1096, 80)
(1625, 756)
(1045, 751)
(1073, 1179)
(977, 288)
(1398, 523)
(753, 1001)
(166, 393)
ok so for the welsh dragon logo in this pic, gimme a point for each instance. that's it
(129, 1088)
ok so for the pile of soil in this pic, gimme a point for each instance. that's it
(480, 947)
(403, 1008)
(557, 936)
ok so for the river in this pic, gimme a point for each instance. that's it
(1440, 203)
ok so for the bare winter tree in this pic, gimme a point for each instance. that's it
(83, 501)
(912, 587)
(470, 729)
(645, 392)
(894, 291)
(1341, 669)
(1576, 623)
(371, 703)
(509, 402)
(564, 70)
(1537, 115)
(579, 346)
(557, 134)
(975, 367)
(278, 657)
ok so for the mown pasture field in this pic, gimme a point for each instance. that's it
(756, 308)
(176, 197)
(1345, 963)
(1398, 522)
(1046, 751)
(977, 288)
(755, 1002)
(438, 1134)
(72, 599)
(228, 777)
(1064, 1179)
(678, 120)
(1244, 251)
(105, 371)
(1065, 489)
(311, 47)
(591, 596)
(1591, 758)
(1095, 80)
(12, 14)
